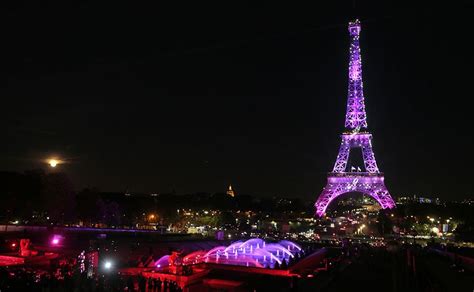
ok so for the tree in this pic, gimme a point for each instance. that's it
(86, 201)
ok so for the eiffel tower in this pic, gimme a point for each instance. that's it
(340, 181)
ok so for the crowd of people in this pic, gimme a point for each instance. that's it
(154, 285)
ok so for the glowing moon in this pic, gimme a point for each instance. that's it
(53, 162)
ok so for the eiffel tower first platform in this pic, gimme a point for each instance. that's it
(369, 181)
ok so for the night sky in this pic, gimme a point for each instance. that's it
(192, 98)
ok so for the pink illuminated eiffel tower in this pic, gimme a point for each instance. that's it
(340, 181)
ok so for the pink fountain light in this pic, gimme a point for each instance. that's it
(162, 262)
(56, 240)
(254, 252)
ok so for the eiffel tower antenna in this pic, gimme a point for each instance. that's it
(356, 117)
(341, 181)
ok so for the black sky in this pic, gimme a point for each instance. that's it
(192, 98)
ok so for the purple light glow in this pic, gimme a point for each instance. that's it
(340, 181)
(162, 262)
(253, 253)
(56, 240)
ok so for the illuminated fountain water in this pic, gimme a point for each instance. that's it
(251, 253)
(194, 257)
(162, 262)
(254, 253)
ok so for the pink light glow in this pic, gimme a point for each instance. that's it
(56, 240)
(162, 262)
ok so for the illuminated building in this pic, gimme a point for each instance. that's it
(230, 191)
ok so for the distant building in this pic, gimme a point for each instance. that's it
(230, 192)
(419, 200)
(468, 202)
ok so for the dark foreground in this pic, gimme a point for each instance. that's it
(401, 269)
(355, 267)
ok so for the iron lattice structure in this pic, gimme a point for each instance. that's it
(341, 181)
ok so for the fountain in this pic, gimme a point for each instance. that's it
(254, 252)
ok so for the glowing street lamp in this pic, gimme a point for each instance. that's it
(435, 230)
(108, 265)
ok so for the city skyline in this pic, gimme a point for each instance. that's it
(151, 108)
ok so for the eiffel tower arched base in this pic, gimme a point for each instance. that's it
(371, 184)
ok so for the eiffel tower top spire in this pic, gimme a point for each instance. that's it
(355, 115)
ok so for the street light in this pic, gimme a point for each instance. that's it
(359, 230)
(108, 265)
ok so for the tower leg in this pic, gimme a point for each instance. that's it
(369, 157)
(372, 186)
(342, 157)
